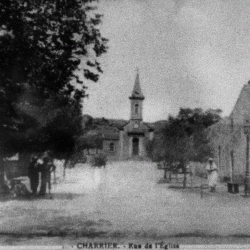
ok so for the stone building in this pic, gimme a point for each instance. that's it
(229, 141)
(123, 139)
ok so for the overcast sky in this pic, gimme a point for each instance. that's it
(190, 53)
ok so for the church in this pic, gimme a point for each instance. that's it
(121, 139)
(135, 134)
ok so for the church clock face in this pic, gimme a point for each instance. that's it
(136, 126)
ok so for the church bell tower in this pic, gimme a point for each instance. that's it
(136, 100)
(135, 134)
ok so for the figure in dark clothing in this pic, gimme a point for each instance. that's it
(43, 169)
(46, 168)
(50, 168)
(33, 172)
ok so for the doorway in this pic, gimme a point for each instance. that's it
(135, 146)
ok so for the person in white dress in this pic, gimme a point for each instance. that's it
(212, 174)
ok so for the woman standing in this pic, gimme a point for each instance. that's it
(212, 173)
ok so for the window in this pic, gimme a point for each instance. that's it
(136, 108)
(111, 147)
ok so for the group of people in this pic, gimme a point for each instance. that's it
(44, 166)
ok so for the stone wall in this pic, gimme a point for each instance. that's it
(229, 141)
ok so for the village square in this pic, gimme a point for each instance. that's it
(124, 123)
(131, 198)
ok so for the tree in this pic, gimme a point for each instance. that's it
(187, 132)
(47, 48)
(184, 137)
(90, 141)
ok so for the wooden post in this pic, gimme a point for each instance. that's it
(191, 177)
(64, 168)
(165, 173)
(185, 177)
(219, 154)
(247, 168)
(1, 175)
(232, 164)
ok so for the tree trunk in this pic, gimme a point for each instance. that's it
(185, 177)
(232, 164)
(43, 182)
(54, 177)
(165, 173)
(1, 175)
(64, 168)
(191, 175)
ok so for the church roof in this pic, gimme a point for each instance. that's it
(150, 126)
(137, 93)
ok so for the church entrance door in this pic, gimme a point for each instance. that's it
(135, 144)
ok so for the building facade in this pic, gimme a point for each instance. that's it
(135, 134)
(121, 139)
(229, 140)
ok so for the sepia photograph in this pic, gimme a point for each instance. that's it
(125, 124)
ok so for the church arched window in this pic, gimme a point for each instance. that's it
(111, 147)
(136, 108)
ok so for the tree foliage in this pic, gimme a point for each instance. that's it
(45, 42)
(47, 48)
(184, 137)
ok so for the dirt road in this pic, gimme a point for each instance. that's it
(124, 201)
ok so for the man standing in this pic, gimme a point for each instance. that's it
(212, 173)
(33, 172)
(43, 169)
(46, 168)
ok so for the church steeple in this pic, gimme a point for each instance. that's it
(136, 99)
(137, 93)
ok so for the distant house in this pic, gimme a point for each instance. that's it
(229, 141)
(16, 166)
(125, 139)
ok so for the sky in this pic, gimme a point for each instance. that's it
(190, 54)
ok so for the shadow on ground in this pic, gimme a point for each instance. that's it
(56, 196)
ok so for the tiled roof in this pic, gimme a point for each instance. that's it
(110, 136)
